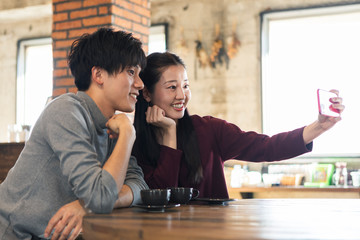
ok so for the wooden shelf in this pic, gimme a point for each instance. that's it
(297, 188)
(295, 192)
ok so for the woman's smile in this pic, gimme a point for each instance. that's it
(178, 106)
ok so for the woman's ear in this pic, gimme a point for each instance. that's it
(97, 75)
(146, 94)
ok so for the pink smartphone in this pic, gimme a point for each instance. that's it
(324, 103)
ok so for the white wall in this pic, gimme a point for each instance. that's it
(16, 24)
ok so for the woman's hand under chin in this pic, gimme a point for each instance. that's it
(167, 126)
(156, 116)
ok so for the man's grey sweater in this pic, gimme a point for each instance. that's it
(62, 162)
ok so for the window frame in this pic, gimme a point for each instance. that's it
(21, 71)
(267, 16)
(166, 33)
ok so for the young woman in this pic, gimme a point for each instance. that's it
(176, 149)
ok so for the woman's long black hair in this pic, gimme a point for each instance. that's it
(146, 146)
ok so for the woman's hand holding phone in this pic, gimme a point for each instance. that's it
(326, 101)
(330, 108)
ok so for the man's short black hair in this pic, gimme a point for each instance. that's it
(107, 49)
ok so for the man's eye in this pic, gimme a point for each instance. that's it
(131, 72)
(172, 87)
(186, 86)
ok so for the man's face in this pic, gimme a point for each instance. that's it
(122, 89)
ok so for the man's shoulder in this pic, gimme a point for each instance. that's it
(66, 97)
(64, 106)
(65, 101)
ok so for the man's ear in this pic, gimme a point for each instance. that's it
(146, 94)
(97, 75)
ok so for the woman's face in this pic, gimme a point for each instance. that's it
(172, 92)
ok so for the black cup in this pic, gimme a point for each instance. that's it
(183, 195)
(156, 197)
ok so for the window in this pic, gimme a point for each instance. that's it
(307, 49)
(158, 38)
(34, 79)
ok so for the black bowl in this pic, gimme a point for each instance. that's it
(155, 197)
(183, 195)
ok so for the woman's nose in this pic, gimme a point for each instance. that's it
(180, 94)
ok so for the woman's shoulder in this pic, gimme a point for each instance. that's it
(206, 120)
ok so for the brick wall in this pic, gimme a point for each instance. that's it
(73, 18)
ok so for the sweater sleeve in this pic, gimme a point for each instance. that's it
(69, 137)
(166, 173)
(234, 143)
(135, 180)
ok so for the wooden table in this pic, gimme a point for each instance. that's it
(242, 219)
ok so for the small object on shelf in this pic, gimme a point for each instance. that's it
(341, 175)
(18, 133)
(299, 179)
(252, 178)
(287, 180)
(272, 179)
(321, 175)
(355, 176)
(237, 176)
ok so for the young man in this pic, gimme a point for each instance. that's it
(79, 151)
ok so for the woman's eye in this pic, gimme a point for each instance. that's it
(186, 86)
(172, 87)
(131, 72)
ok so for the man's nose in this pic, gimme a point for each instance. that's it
(138, 83)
